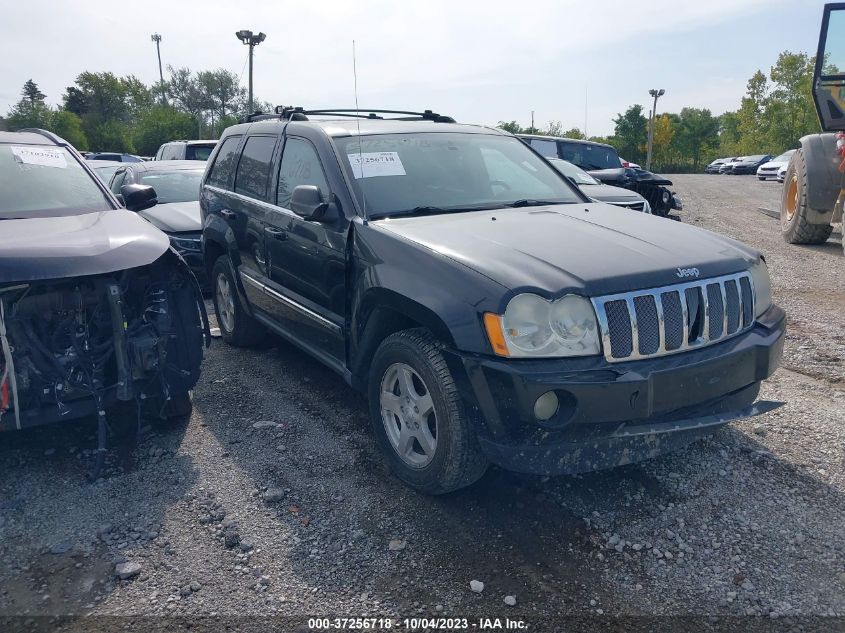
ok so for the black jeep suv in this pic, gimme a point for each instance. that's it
(491, 312)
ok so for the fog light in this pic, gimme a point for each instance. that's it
(546, 406)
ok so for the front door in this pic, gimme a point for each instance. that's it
(307, 260)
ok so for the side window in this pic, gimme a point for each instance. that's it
(300, 166)
(254, 168)
(544, 147)
(224, 164)
(117, 180)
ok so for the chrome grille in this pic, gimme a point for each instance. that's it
(672, 319)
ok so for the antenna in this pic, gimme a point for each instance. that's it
(360, 143)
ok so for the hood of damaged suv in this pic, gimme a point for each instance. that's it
(71, 246)
(627, 176)
(594, 249)
(175, 217)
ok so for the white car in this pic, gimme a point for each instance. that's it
(773, 167)
(782, 173)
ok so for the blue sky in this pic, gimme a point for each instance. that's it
(479, 61)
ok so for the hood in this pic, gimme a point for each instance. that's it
(595, 249)
(71, 246)
(174, 217)
(613, 195)
(772, 164)
(627, 176)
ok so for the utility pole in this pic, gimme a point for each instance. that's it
(656, 93)
(251, 40)
(155, 37)
(532, 122)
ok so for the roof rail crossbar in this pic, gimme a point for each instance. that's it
(297, 113)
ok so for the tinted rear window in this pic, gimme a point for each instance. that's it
(224, 165)
(46, 181)
(590, 157)
(254, 168)
(198, 152)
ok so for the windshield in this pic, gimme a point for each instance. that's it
(46, 181)
(198, 152)
(589, 157)
(571, 171)
(174, 186)
(403, 173)
(753, 159)
(784, 158)
(105, 173)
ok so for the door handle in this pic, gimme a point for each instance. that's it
(228, 214)
(277, 234)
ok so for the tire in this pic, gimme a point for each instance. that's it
(236, 327)
(793, 208)
(454, 461)
(761, 178)
(179, 407)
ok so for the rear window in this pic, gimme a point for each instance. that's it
(254, 168)
(198, 152)
(46, 181)
(224, 165)
(589, 157)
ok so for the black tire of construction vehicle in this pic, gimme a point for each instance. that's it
(456, 460)
(179, 406)
(236, 327)
(793, 208)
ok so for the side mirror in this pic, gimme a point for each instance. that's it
(307, 202)
(138, 197)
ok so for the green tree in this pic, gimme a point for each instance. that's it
(697, 133)
(573, 133)
(631, 134)
(664, 133)
(510, 126)
(160, 124)
(753, 123)
(69, 126)
(31, 92)
(790, 111)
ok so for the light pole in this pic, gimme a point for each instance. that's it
(155, 37)
(252, 41)
(656, 93)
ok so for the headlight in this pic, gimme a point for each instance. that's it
(762, 287)
(186, 243)
(666, 197)
(534, 327)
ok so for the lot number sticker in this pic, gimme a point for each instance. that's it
(44, 156)
(372, 164)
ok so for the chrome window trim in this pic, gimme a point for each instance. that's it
(248, 200)
(331, 325)
(704, 340)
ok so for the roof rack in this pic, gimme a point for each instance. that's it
(297, 113)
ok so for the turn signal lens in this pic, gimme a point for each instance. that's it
(493, 326)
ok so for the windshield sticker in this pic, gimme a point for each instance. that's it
(44, 156)
(373, 164)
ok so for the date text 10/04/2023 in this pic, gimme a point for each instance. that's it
(416, 624)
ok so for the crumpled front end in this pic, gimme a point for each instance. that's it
(71, 347)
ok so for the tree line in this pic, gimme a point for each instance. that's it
(775, 112)
(102, 111)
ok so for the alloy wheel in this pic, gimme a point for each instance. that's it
(407, 411)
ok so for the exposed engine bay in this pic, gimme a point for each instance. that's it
(73, 347)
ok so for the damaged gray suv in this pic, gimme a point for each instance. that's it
(96, 308)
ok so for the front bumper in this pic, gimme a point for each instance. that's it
(615, 413)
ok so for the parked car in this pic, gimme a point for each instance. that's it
(177, 185)
(185, 150)
(490, 311)
(750, 164)
(771, 168)
(599, 192)
(114, 156)
(95, 308)
(602, 162)
(727, 166)
(713, 168)
(104, 169)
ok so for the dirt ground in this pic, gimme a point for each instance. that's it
(272, 500)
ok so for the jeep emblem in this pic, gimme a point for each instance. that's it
(687, 272)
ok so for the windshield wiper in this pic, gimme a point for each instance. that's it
(530, 202)
(421, 210)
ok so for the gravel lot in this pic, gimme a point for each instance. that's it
(272, 499)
